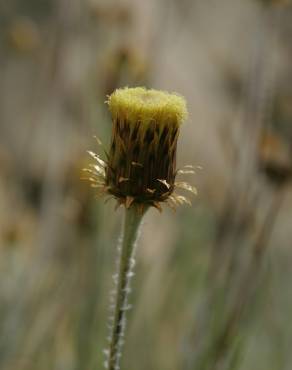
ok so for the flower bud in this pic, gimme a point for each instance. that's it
(142, 159)
(141, 163)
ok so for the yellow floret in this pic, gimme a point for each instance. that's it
(147, 106)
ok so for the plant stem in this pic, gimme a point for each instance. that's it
(132, 222)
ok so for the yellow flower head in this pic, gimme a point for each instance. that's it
(141, 164)
(147, 107)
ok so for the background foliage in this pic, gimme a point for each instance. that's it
(212, 287)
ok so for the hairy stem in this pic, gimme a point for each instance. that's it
(126, 263)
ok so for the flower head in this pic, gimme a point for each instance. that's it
(141, 164)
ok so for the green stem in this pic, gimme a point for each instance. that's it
(126, 263)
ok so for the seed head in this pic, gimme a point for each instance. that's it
(141, 164)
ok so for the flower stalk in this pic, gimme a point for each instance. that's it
(130, 231)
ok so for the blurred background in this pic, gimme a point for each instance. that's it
(212, 289)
